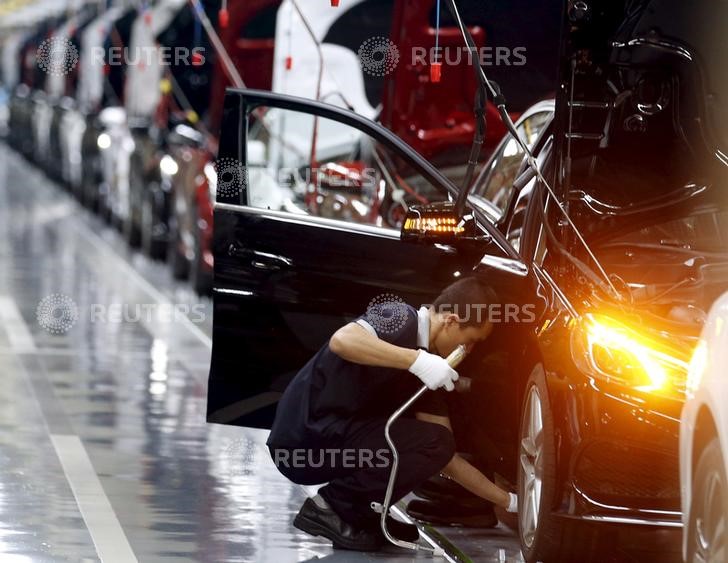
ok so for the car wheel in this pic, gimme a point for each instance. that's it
(708, 526)
(93, 178)
(151, 245)
(131, 232)
(88, 181)
(545, 537)
(130, 227)
(105, 211)
(177, 261)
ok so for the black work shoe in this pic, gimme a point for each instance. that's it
(400, 530)
(453, 514)
(318, 521)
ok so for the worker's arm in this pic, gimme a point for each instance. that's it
(356, 344)
(465, 474)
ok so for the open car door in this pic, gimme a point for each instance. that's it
(309, 200)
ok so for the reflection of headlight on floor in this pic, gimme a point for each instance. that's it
(168, 166)
(610, 350)
(103, 141)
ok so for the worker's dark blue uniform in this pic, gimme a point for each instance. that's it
(329, 427)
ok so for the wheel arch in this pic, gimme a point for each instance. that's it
(705, 431)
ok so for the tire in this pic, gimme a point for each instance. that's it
(131, 232)
(709, 508)
(137, 185)
(105, 212)
(552, 539)
(178, 263)
(152, 246)
(90, 182)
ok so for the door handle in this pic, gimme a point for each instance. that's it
(260, 260)
(266, 266)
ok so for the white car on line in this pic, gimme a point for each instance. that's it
(704, 444)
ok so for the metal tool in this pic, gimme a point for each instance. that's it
(453, 360)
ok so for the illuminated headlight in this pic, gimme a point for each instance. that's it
(605, 348)
(103, 141)
(168, 165)
(211, 176)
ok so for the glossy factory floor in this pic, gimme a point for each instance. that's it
(104, 450)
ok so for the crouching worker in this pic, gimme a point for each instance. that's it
(329, 426)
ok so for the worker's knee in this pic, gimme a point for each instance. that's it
(442, 444)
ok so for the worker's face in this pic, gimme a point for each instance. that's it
(454, 333)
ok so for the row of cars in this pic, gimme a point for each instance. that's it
(613, 234)
(92, 102)
(123, 105)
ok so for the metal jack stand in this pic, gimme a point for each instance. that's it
(453, 360)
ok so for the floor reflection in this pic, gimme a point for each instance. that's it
(133, 389)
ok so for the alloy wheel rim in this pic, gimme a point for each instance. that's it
(531, 458)
(711, 524)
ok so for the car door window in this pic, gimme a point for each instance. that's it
(497, 186)
(282, 262)
(309, 165)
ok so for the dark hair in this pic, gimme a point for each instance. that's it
(459, 298)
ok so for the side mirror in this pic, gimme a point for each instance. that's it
(437, 223)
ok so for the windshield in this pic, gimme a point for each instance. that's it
(495, 181)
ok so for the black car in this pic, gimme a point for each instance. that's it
(608, 259)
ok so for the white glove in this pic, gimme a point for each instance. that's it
(513, 505)
(434, 371)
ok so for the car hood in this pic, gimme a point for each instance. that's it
(642, 112)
